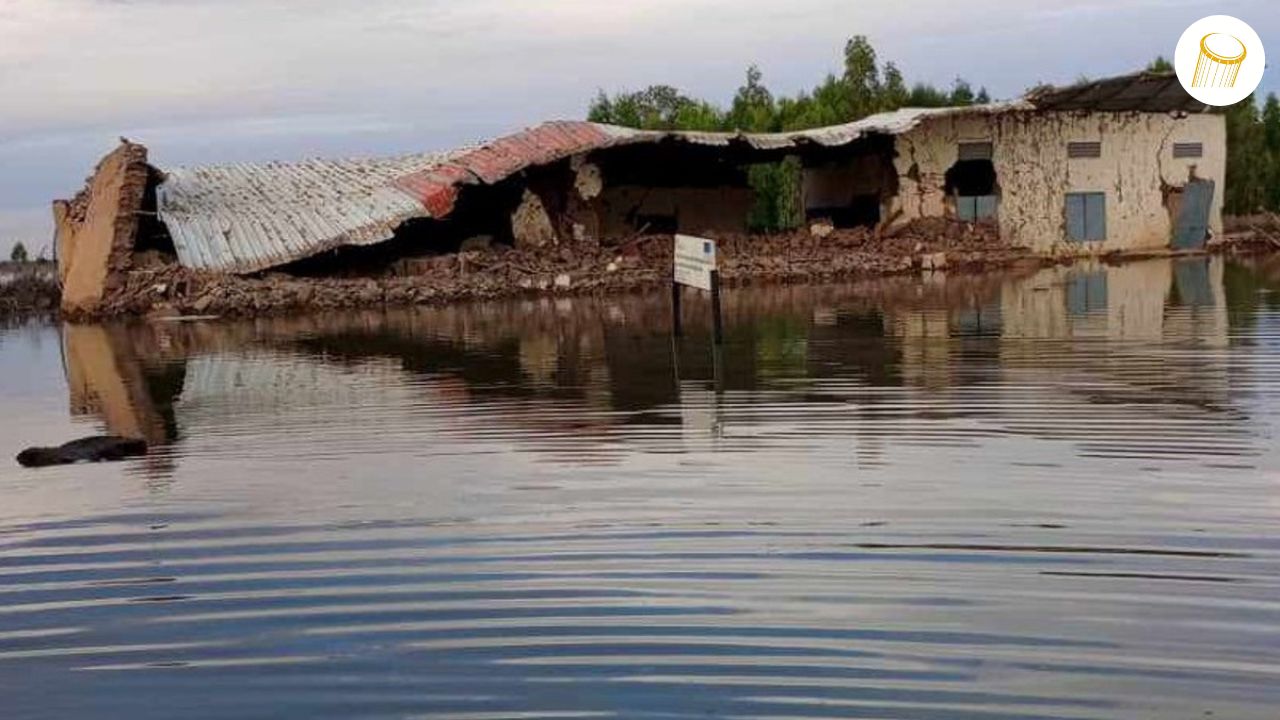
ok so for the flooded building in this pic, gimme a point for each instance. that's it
(1126, 164)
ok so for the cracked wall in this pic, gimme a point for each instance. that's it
(1135, 172)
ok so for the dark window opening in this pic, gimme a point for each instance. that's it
(971, 178)
(862, 211)
(975, 188)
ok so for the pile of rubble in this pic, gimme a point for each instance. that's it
(644, 261)
(1250, 233)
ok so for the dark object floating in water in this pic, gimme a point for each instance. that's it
(97, 448)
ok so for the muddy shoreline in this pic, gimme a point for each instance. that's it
(157, 287)
(154, 287)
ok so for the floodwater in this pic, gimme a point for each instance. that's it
(1044, 494)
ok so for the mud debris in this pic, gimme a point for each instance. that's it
(1248, 234)
(158, 288)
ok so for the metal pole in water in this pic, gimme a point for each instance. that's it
(717, 322)
(676, 330)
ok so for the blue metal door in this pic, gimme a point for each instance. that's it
(1193, 217)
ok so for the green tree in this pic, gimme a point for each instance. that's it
(19, 253)
(1160, 65)
(861, 77)
(927, 96)
(961, 93)
(1247, 161)
(753, 109)
(1271, 140)
(862, 87)
(657, 107)
(894, 94)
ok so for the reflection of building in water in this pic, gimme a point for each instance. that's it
(937, 329)
(129, 392)
(574, 377)
(1131, 301)
(1132, 335)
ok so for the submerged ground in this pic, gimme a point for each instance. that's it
(1044, 494)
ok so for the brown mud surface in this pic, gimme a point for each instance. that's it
(157, 287)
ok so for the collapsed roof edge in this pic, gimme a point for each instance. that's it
(246, 218)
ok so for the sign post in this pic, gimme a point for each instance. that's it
(695, 266)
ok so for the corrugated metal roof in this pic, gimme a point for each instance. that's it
(249, 217)
(1139, 92)
(244, 218)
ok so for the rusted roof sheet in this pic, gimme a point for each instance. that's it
(1139, 92)
(436, 187)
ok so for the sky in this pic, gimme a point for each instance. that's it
(204, 81)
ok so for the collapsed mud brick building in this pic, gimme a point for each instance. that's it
(1131, 163)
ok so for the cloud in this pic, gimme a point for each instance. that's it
(210, 80)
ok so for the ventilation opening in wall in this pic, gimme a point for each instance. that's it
(1082, 150)
(972, 183)
(1188, 150)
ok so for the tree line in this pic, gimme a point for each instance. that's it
(866, 86)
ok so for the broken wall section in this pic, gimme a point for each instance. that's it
(671, 187)
(96, 230)
(850, 187)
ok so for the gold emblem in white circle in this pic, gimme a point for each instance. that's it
(1220, 60)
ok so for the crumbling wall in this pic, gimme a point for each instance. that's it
(1135, 172)
(835, 184)
(627, 209)
(669, 187)
(96, 230)
(850, 187)
(581, 215)
(530, 224)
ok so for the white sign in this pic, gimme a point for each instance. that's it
(695, 258)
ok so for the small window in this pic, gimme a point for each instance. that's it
(1086, 216)
(975, 151)
(1084, 150)
(1188, 150)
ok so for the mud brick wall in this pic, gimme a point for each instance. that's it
(96, 229)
